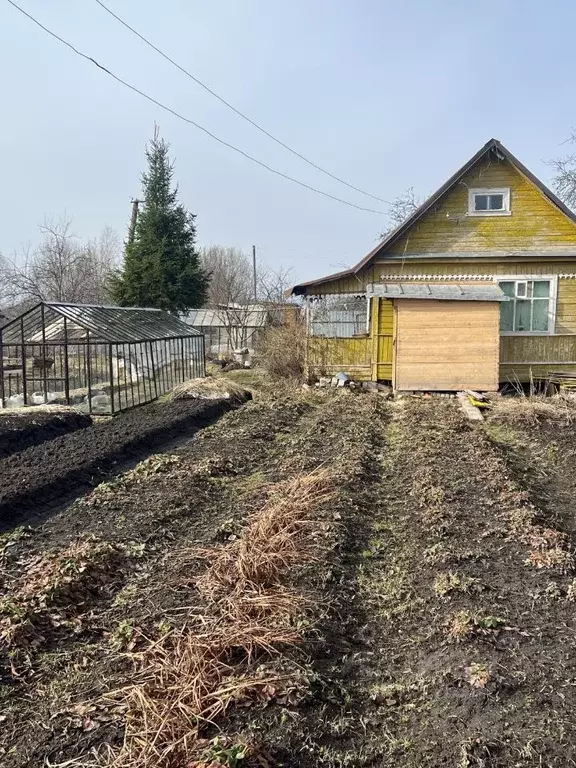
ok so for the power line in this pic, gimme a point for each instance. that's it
(234, 109)
(188, 120)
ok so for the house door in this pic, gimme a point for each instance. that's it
(446, 345)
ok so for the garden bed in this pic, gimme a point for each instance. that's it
(34, 478)
(414, 607)
(24, 427)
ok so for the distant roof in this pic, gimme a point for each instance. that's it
(253, 316)
(57, 321)
(492, 146)
(438, 291)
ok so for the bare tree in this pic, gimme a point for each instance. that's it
(231, 292)
(564, 182)
(62, 268)
(401, 208)
(231, 276)
(274, 284)
(102, 256)
(5, 294)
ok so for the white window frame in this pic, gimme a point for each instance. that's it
(504, 191)
(553, 280)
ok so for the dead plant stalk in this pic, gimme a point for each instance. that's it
(191, 676)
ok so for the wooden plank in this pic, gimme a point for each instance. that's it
(472, 412)
(374, 326)
(440, 377)
(385, 371)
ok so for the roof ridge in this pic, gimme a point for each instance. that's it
(429, 202)
(450, 182)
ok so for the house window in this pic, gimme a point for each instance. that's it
(340, 317)
(529, 307)
(489, 202)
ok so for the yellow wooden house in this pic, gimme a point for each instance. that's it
(477, 287)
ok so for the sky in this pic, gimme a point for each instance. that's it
(381, 93)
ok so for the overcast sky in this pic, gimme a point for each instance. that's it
(384, 94)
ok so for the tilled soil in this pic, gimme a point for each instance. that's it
(455, 644)
(33, 478)
(445, 609)
(24, 429)
(190, 497)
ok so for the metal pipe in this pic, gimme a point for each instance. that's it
(24, 376)
(66, 364)
(88, 363)
(111, 373)
(202, 370)
(44, 382)
(153, 370)
(130, 370)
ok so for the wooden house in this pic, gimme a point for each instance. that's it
(477, 287)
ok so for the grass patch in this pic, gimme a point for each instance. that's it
(464, 624)
(252, 482)
(448, 582)
(529, 411)
(251, 378)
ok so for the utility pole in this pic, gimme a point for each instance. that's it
(133, 220)
(254, 270)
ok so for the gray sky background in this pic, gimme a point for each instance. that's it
(384, 94)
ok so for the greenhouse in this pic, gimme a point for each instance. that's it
(98, 358)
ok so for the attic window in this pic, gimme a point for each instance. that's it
(489, 202)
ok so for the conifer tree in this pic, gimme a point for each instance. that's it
(161, 267)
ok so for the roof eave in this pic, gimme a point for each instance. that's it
(427, 204)
(300, 289)
(492, 144)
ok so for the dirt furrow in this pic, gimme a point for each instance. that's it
(439, 613)
(194, 496)
(34, 480)
(23, 428)
(461, 620)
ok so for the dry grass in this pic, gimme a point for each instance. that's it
(528, 411)
(210, 389)
(283, 351)
(276, 538)
(478, 675)
(460, 626)
(189, 677)
(549, 548)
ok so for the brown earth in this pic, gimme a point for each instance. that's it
(22, 429)
(32, 479)
(440, 620)
(458, 619)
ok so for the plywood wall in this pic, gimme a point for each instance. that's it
(446, 345)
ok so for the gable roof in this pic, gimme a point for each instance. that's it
(491, 146)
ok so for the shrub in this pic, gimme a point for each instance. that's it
(283, 350)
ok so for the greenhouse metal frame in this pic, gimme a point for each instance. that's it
(102, 359)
